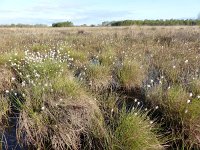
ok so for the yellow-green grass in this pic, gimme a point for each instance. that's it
(135, 132)
(11, 56)
(131, 74)
(99, 76)
(194, 86)
(180, 111)
(58, 111)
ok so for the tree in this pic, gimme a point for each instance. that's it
(105, 23)
(198, 17)
(63, 24)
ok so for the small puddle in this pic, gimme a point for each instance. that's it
(9, 138)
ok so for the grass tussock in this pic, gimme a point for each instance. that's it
(57, 109)
(5, 109)
(11, 57)
(135, 132)
(6, 77)
(131, 74)
(99, 76)
(181, 113)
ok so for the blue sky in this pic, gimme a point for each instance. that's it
(94, 11)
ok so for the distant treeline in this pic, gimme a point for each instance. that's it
(170, 22)
(23, 25)
(63, 24)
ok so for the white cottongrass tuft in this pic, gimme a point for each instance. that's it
(188, 101)
(13, 78)
(135, 100)
(190, 94)
(148, 85)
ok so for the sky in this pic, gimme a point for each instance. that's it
(94, 11)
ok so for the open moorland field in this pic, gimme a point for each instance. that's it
(101, 88)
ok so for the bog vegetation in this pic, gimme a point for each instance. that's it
(124, 88)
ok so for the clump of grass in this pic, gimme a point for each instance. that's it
(99, 76)
(172, 71)
(58, 111)
(194, 86)
(129, 129)
(173, 100)
(48, 68)
(60, 122)
(192, 124)
(78, 57)
(177, 100)
(180, 112)
(5, 109)
(131, 74)
(6, 77)
(107, 57)
(12, 56)
(135, 132)
(39, 48)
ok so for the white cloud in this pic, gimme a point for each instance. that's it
(43, 10)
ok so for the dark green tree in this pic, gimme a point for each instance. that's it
(63, 24)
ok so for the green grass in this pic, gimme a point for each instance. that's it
(130, 75)
(99, 76)
(12, 56)
(135, 132)
(195, 86)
